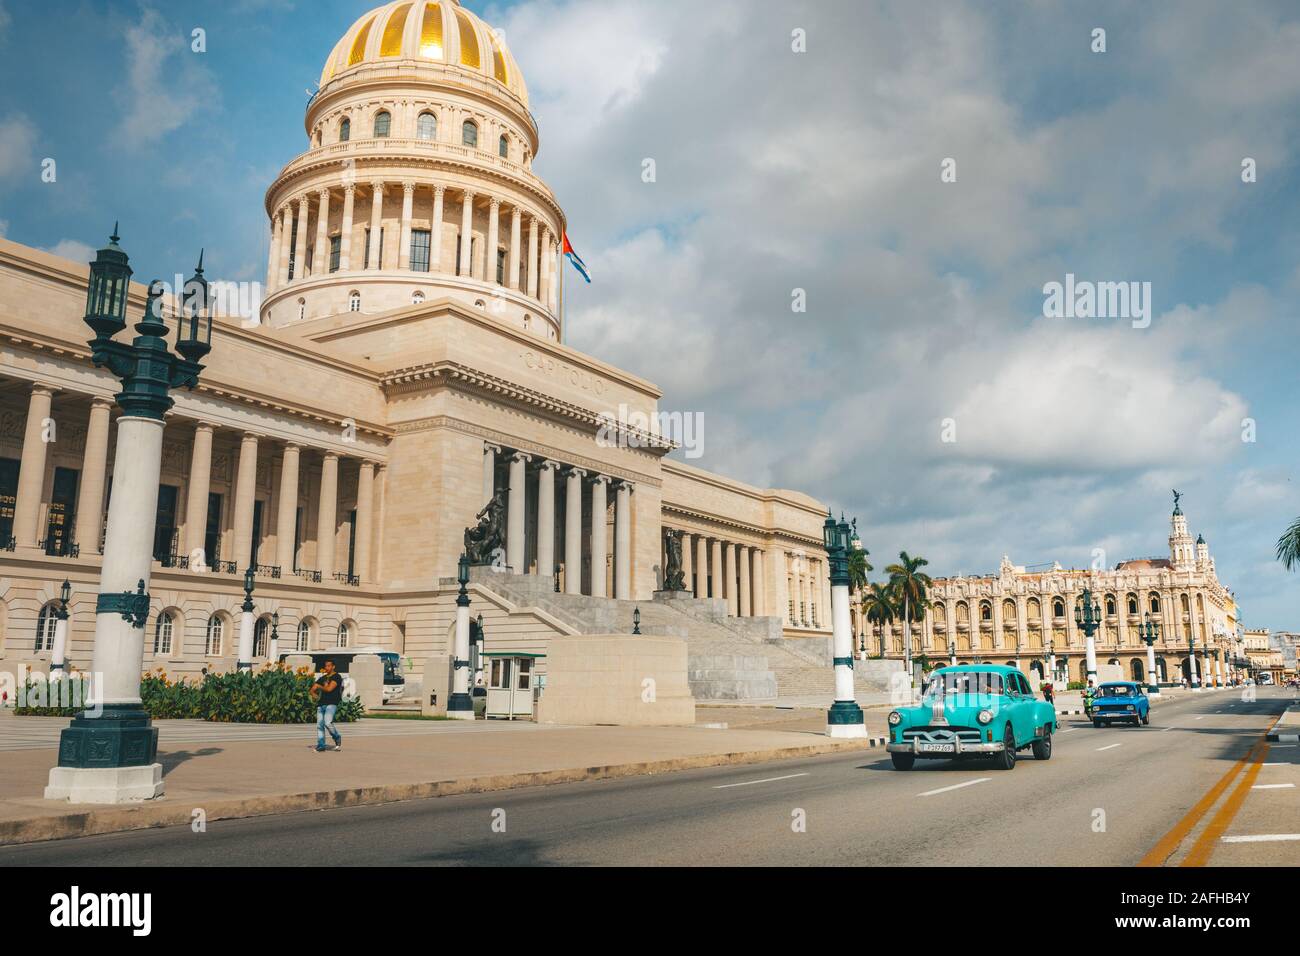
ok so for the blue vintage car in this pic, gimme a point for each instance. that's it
(1123, 701)
(972, 710)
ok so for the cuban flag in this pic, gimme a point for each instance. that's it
(576, 259)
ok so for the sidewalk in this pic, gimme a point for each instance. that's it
(250, 777)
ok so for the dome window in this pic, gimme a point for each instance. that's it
(302, 309)
(469, 134)
(345, 130)
(391, 44)
(383, 124)
(426, 126)
(354, 301)
(503, 146)
(417, 298)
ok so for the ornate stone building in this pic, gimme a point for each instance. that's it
(1021, 616)
(408, 360)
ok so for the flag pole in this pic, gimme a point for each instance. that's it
(563, 257)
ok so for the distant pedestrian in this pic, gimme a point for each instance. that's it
(1049, 693)
(327, 692)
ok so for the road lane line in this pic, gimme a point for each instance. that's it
(750, 783)
(955, 786)
(1272, 786)
(1110, 747)
(1168, 843)
(1200, 852)
(1262, 838)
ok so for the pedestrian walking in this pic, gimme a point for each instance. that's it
(327, 692)
(1049, 693)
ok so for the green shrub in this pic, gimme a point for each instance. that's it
(1076, 685)
(273, 695)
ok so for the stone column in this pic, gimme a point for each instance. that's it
(489, 471)
(90, 499)
(435, 242)
(513, 275)
(376, 222)
(408, 206)
(300, 244)
(998, 642)
(345, 237)
(553, 300)
(245, 493)
(715, 563)
(326, 514)
(273, 258)
(494, 229)
(466, 235)
(516, 519)
(196, 500)
(532, 256)
(320, 264)
(746, 609)
(688, 577)
(365, 505)
(31, 471)
(733, 595)
(286, 516)
(701, 566)
(546, 519)
(573, 531)
(286, 241)
(544, 268)
(623, 541)
(598, 512)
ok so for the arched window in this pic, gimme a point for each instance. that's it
(162, 633)
(1110, 605)
(1132, 604)
(345, 130)
(261, 636)
(345, 635)
(383, 124)
(354, 301)
(216, 634)
(417, 297)
(469, 134)
(986, 611)
(1058, 607)
(302, 309)
(304, 635)
(426, 126)
(1154, 603)
(503, 146)
(45, 625)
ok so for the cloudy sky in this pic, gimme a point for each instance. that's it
(818, 171)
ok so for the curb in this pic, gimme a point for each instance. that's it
(117, 820)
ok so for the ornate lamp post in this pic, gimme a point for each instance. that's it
(1051, 660)
(952, 651)
(459, 705)
(1087, 615)
(845, 716)
(275, 636)
(636, 620)
(60, 652)
(1191, 663)
(245, 659)
(110, 757)
(1149, 630)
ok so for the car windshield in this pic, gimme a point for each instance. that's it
(1117, 690)
(961, 683)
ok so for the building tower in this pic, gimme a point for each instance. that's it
(417, 182)
(1181, 552)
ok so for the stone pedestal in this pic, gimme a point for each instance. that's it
(436, 685)
(105, 784)
(367, 673)
(617, 679)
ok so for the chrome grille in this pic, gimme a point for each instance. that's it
(942, 735)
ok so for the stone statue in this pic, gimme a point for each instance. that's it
(487, 537)
(1177, 495)
(674, 578)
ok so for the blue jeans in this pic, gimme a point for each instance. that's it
(324, 722)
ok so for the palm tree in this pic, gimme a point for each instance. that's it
(859, 568)
(1288, 546)
(879, 609)
(911, 587)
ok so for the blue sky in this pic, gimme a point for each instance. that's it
(817, 171)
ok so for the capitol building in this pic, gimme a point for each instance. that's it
(409, 361)
(1025, 617)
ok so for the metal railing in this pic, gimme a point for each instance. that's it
(58, 547)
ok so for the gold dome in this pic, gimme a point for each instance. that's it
(438, 30)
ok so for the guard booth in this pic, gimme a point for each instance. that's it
(513, 684)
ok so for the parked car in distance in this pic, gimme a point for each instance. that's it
(1124, 701)
(972, 710)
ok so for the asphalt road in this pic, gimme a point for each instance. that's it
(1107, 797)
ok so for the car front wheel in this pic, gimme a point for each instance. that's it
(1043, 748)
(902, 761)
(1006, 760)
(1146, 718)
(1096, 723)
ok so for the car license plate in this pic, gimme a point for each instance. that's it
(937, 748)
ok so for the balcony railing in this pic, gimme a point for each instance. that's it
(309, 574)
(267, 570)
(353, 580)
(59, 547)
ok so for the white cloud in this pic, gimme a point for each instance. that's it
(5, 18)
(164, 86)
(72, 249)
(17, 147)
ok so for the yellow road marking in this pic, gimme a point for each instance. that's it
(1203, 847)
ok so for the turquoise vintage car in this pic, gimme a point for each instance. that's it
(972, 710)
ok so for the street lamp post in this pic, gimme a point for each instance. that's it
(245, 659)
(459, 705)
(1051, 660)
(1191, 663)
(1149, 631)
(108, 754)
(60, 651)
(845, 716)
(952, 652)
(275, 636)
(1087, 615)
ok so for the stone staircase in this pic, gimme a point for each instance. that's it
(728, 658)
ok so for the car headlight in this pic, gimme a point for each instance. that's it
(985, 717)
(895, 718)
